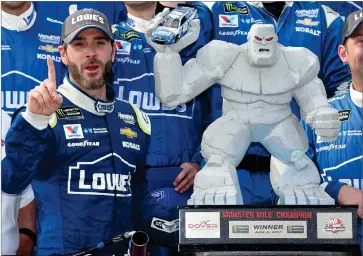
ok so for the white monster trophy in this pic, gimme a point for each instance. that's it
(258, 80)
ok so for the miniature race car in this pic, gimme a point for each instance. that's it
(174, 26)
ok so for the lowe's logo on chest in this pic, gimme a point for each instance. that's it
(92, 178)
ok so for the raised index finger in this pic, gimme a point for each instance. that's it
(51, 73)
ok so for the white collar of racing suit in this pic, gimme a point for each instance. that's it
(355, 96)
(19, 23)
(138, 24)
(81, 99)
(260, 4)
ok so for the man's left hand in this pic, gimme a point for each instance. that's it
(25, 246)
(185, 179)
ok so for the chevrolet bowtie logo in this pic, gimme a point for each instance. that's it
(48, 48)
(128, 132)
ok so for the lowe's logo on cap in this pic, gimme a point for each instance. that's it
(87, 16)
(105, 107)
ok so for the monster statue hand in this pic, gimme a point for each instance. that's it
(190, 37)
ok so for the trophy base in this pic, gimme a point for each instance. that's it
(268, 230)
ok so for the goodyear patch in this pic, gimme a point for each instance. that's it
(69, 113)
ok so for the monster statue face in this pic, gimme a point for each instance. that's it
(262, 47)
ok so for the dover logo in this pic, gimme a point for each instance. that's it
(228, 21)
(123, 47)
(73, 131)
(202, 225)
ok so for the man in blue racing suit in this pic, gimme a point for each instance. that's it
(340, 163)
(174, 154)
(298, 24)
(84, 159)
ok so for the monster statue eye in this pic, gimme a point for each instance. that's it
(258, 38)
(269, 39)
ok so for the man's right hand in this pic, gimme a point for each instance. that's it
(351, 196)
(43, 99)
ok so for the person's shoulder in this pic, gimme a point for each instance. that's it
(129, 113)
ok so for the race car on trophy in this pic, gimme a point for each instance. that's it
(174, 26)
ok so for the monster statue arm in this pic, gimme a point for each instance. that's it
(177, 84)
(311, 97)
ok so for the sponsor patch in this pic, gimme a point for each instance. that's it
(313, 32)
(344, 115)
(308, 22)
(129, 35)
(158, 195)
(128, 133)
(123, 47)
(104, 107)
(202, 225)
(166, 226)
(127, 144)
(51, 39)
(311, 13)
(84, 143)
(73, 131)
(228, 21)
(69, 113)
(231, 7)
(48, 48)
(127, 118)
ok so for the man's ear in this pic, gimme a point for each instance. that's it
(113, 51)
(63, 54)
(343, 53)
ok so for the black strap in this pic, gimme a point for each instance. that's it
(255, 163)
(29, 233)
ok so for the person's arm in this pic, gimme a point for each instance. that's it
(27, 222)
(333, 71)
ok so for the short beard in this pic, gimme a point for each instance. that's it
(91, 84)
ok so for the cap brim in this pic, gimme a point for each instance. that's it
(68, 39)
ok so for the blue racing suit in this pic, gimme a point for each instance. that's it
(344, 8)
(340, 162)
(177, 132)
(301, 24)
(24, 54)
(87, 170)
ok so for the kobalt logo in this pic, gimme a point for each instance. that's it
(308, 30)
(52, 39)
(88, 16)
(43, 56)
(127, 144)
(85, 143)
(203, 225)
